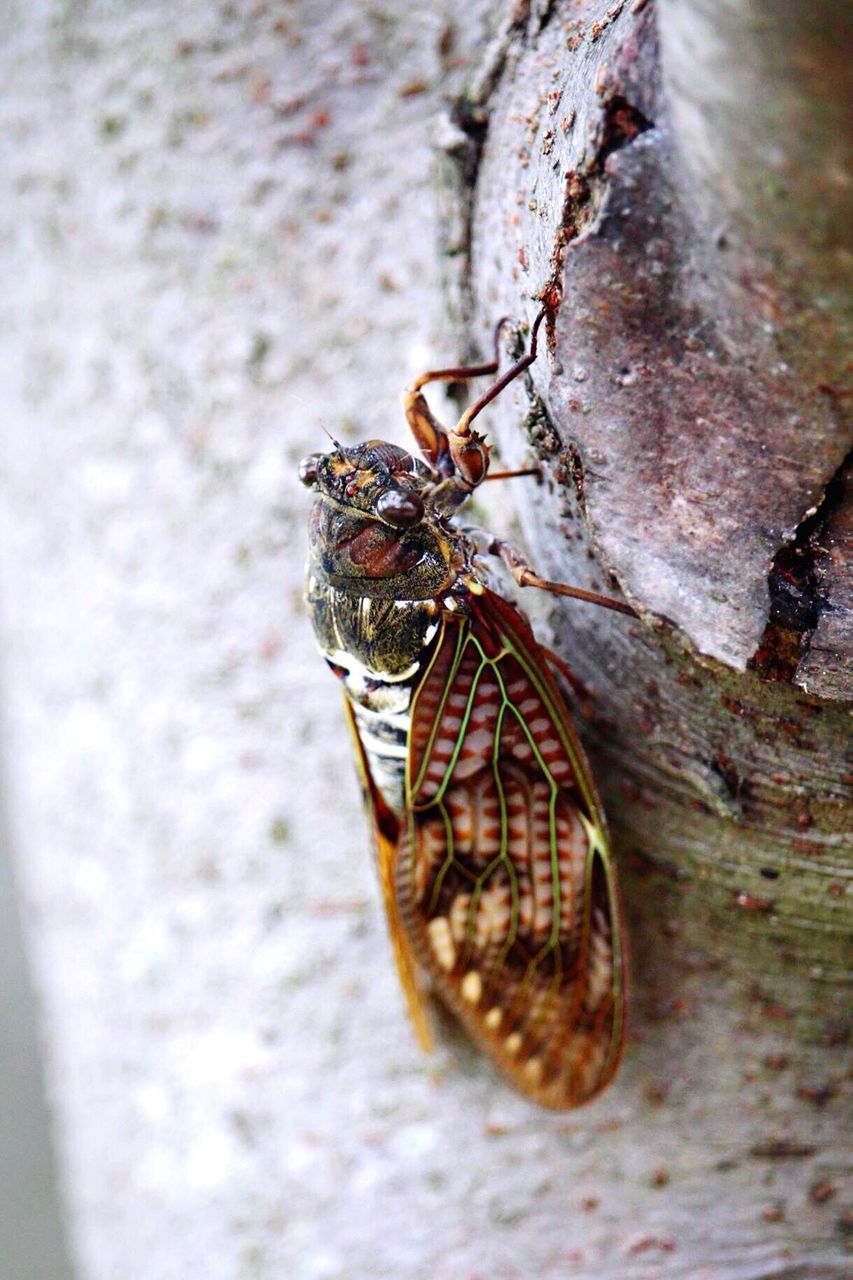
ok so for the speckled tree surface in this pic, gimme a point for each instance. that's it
(220, 234)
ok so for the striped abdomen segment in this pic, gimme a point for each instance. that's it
(381, 699)
(384, 734)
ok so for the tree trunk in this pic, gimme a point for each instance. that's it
(669, 180)
(219, 240)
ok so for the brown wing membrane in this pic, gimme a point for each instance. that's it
(386, 833)
(504, 880)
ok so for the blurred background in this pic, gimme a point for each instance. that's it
(218, 235)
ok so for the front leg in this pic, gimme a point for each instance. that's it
(431, 437)
(526, 576)
(462, 463)
(461, 455)
(438, 445)
(468, 449)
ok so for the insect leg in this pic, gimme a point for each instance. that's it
(470, 457)
(463, 426)
(525, 576)
(430, 435)
(469, 452)
(511, 475)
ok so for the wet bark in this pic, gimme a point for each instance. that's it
(670, 181)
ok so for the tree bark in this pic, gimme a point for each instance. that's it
(670, 181)
(217, 241)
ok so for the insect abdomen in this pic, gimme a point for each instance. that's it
(379, 649)
(384, 734)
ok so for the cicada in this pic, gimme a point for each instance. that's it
(490, 840)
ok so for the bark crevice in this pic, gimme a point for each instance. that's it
(798, 597)
(585, 190)
(623, 122)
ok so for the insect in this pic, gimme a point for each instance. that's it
(491, 844)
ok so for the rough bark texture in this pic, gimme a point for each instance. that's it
(687, 230)
(219, 238)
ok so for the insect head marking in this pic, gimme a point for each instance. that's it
(379, 479)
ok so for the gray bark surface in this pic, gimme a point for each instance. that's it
(220, 237)
(687, 226)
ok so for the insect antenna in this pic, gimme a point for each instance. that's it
(335, 442)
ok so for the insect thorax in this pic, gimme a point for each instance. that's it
(373, 593)
(372, 589)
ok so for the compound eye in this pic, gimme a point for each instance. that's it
(308, 469)
(400, 509)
